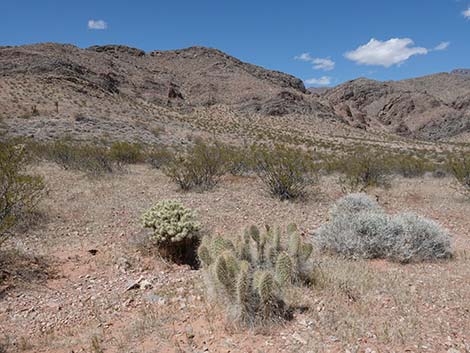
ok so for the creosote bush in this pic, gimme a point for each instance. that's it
(363, 170)
(459, 166)
(359, 228)
(253, 275)
(127, 153)
(175, 231)
(93, 159)
(286, 172)
(200, 167)
(19, 192)
(158, 157)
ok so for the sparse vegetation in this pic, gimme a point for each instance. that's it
(252, 277)
(20, 192)
(93, 159)
(158, 157)
(126, 153)
(363, 170)
(459, 166)
(286, 172)
(198, 168)
(359, 228)
(175, 230)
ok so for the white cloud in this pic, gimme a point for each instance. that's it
(322, 81)
(325, 64)
(442, 46)
(466, 13)
(304, 57)
(97, 24)
(394, 51)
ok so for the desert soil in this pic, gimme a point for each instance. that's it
(69, 273)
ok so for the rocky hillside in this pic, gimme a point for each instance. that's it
(109, 88)
(116, 92)
(431, 107)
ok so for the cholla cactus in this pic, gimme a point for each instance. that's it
(174, 231)
(171, 222)
(253, 276)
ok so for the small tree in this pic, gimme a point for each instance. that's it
(19, 192)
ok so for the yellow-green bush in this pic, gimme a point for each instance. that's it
(362, 170)
(199, 167)
(285, 171)
(126, 153)
(93, 159)
(459, 166)
(19, 191)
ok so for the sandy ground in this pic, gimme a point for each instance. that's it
(69, 273)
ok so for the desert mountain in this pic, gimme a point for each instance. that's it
(111, 87)
(113, 91)
(429, 107)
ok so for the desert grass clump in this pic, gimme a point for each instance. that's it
(200, 167)
(20, 192)
(286, 172)
(360, 228)
(252, 276)
(459, 166)
(175, 231)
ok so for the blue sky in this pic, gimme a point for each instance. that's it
(322, 42)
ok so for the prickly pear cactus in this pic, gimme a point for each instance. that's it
(252, 275)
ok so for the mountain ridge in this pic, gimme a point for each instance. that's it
(114, 84)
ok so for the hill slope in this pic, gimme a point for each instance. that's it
(430, 107)
(117, 92)
(107, 89)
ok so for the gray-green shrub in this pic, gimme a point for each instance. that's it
(359, 228)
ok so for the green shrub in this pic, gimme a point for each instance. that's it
(359, 228)
(94, 160)
(363, 170)
(238, 160)
(286, 172)
(126, 153)
(158, 157)
(459, 166)
(200, 167)
(252, 277)
(19, 192)
(175, 231)
(410, 166)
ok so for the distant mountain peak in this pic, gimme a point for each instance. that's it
(462, 72)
